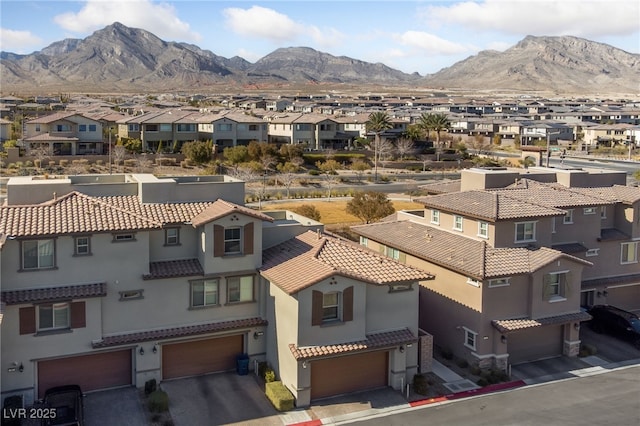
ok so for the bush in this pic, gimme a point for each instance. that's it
(150, 386)
(37, 163)
(314, 172)
(420, 384)
(28, 163)
(166, 161)
(587, 350)
(52, 163)
(131, 162)
(308, 210)
(269, 376)
(262, 368)
(281, 398)
(198, 152)
(482, 382)
(158, 401)
(64, 163)
(99, 162)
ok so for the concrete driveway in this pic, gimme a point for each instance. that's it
(121, 407)
(609, 348)
(223, 398)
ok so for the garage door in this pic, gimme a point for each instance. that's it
(346, 374)
(90, 372)
(533, 344)
(200, 356)
(627, 298)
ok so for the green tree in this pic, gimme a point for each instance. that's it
(197, 151)
(436, 122)
(133, 146)
(308, 210)
(370, 206)
(377, 123)
(236, 155)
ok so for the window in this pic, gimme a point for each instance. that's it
(394, 288)
(131, 295)
(118, 238)
(555, 286)
(172, 236)
(82, 246)
(499, 282)
(393, 253)
(240, 289)
(473, 282)
(525, 231)
(483, 229)
(151, 127)
(457, 223)
(82, 128)
(38, 254)
(134, 127)
(186, 127)
(222, 127)
(470, 338)
(303, 127)
(253, 127)
(589, 210)
(93, 128)
(165, 127)
(204, 293)
(53, 316)
(331, 306)
(592, 252)
(568, 217)
(364, 241)
(629, 252)
(435, 217)
(63, 128)
(603, 212)
(232, 240)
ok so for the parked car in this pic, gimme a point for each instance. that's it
(617, 322)
(63, 406)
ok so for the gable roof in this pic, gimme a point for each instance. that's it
(473, 258)
(552, 195)
(320, 256)
(221, 208)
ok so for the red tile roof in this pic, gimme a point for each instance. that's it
(512, 325)
(221, 208)
(50, 294)
(554, 195)
(320, 256)
(167, 213)
(175, 332)
(372, 341)
(173, 268)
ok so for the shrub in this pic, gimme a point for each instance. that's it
(475, 370)
(52, 163)
(308, 210)
(99, 162)
(19, 164)
(37, 163)
(262, 368)
(279, 395)
(314, 172)
(131, 162)
(28, 163)
(64, 163)
(198, 152)
(269, 376)
(587, 350)
(420, 384)
(150, 386)
(482, 382)
(166, 161)
(158, 401)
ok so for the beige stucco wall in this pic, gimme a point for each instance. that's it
(187, 249)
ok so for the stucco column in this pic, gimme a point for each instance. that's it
(571, 343)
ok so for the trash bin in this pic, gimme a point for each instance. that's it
(10, 413)
(242, 364)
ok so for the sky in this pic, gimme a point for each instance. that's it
(411, 36)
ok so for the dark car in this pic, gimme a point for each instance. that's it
(63, 406)
(617, 322)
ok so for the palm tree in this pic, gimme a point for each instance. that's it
(377, 123)
(436, 122)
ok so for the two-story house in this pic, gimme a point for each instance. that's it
(64, 133)
(229, 129)
(168, 129)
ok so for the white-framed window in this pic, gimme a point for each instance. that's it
(483, 229)
(205, 293)
(435, 217)
(470, 338)
(172, 236)
(393, 253)
(240, 289)
(394, 288)
(603, 212)
(457, 222)
(592, 252)
(38, 254)
(568, 217)
(473, 282)
(629, 252)
(121, 238)
(54, 316)
(499, 282)
(82, 245)
(232, 240)
(555, 286)
(364, 241)
(331, 306)
(525, 232)
(589, 211)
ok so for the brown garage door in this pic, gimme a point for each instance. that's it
(90, 372)
(200, 356)
(535, 343)
(346, 374)
(627, 298)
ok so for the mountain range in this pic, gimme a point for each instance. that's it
(122, 59)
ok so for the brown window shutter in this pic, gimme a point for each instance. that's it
(347, 304)
(78, 316)
(218, 241)
(248, 238)
(28, 320)
(316, 308)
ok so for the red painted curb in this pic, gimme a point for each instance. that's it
(316, 422)
(464, 394)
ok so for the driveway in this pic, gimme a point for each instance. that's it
(223, 398)
(121, 407)
(609, 348)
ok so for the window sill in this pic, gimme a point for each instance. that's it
(198, 308)
(82, 254)
(52, 268)
(331, 323)
(172, 245)
(244, 302)
(555, 299)
(52, 332)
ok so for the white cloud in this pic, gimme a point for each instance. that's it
(158, 18)
(248, 55)
(431, 44)
(584, 18)
(18, 41)
(500, 46)
(262, 22)
(327, 37)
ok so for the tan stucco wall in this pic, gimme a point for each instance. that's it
(187, 249)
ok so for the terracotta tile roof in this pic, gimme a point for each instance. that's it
(442, 187)
(622, 279)
(617, 193)
(554, 195)
(166, 213)
(372, 341)
(221, 208)
(464, 255)
(71, 213)
(491, 206)
(512, 325)
(48, 294)
(320, 256)
(173, 268)
(175, 332)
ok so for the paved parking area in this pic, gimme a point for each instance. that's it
(609, 348)
(121, 407)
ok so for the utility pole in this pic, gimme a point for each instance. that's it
(109, 149)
